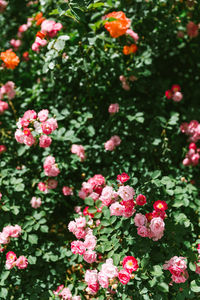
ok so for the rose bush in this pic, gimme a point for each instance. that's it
(99, 200)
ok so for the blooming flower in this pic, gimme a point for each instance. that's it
(130, 264)
(10, 59)
(119, 26)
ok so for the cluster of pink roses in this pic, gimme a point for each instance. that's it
(152, 225)
(113, 108)
(49, 28)
(36, 202)
(109, 271)
(125, 81)
(79, 151)
(174, 93)
(111, 144)
(93, 187)
(11, 261)
(191, 129)
(51, 170)
(81, 231)
(33, 126)
(192, 157)
(9, 232)
(8, 89)
(65, 293)
(177, 267)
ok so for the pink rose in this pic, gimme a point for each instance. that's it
(143, 231)
(72, 226)
(132, 34)
(116, 209)
(43, 115)
(90, 241)
(109, 269)
(22, 262)
(177, 97)
(192, 29)
(140, 220)
(36, 202)
(124, 276)
(113, 108)
(126, 192)
(78, 247)
(80, 222)
(52, 184)
(90, 256)
(109, 145)
(67, 191)
(45, 141)
(103, 280)
(116, 139)
(157, 225)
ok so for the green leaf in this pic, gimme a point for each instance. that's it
(194, 287)
(89, 201)
(163, 287)
(32, 238)
(156, 174)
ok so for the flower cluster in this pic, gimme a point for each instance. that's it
(10, 59)
(81, 231)
(152, 225)
(8, 89)
(174, 93)
(109, 274)
(193, 156)
(9, 232)
(177, 267)
(111, 144)
(47, 185)
(113, 108)
(33, 126)
(15, 44)
(118, 26)
(65, 293)
(11, 261)
(125, 81)
(49, 28)
(192, 130)
(93, 187)
(79, 151)
(24, 27)
(130, 264)
(50, 167)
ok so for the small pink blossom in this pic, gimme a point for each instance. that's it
(67, 191)
(90, 256)
(113, 108)
(36, 202)
(21, 262)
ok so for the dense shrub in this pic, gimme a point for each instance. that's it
(119, 98)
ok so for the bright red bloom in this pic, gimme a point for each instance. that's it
(123, 177)
(26, 56)
(141, 199)
(168, 94)
(160, 214)
(160, 205)
(149, 216)
(176, 88)
(11, 256)
(130, 264)
(2, 148)
(192, 146)
(26, 131)
(86, 212)
(127, 50)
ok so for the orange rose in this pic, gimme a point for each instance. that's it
(119, 26)
(130, 49)
(10, 59)
(39, 18)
